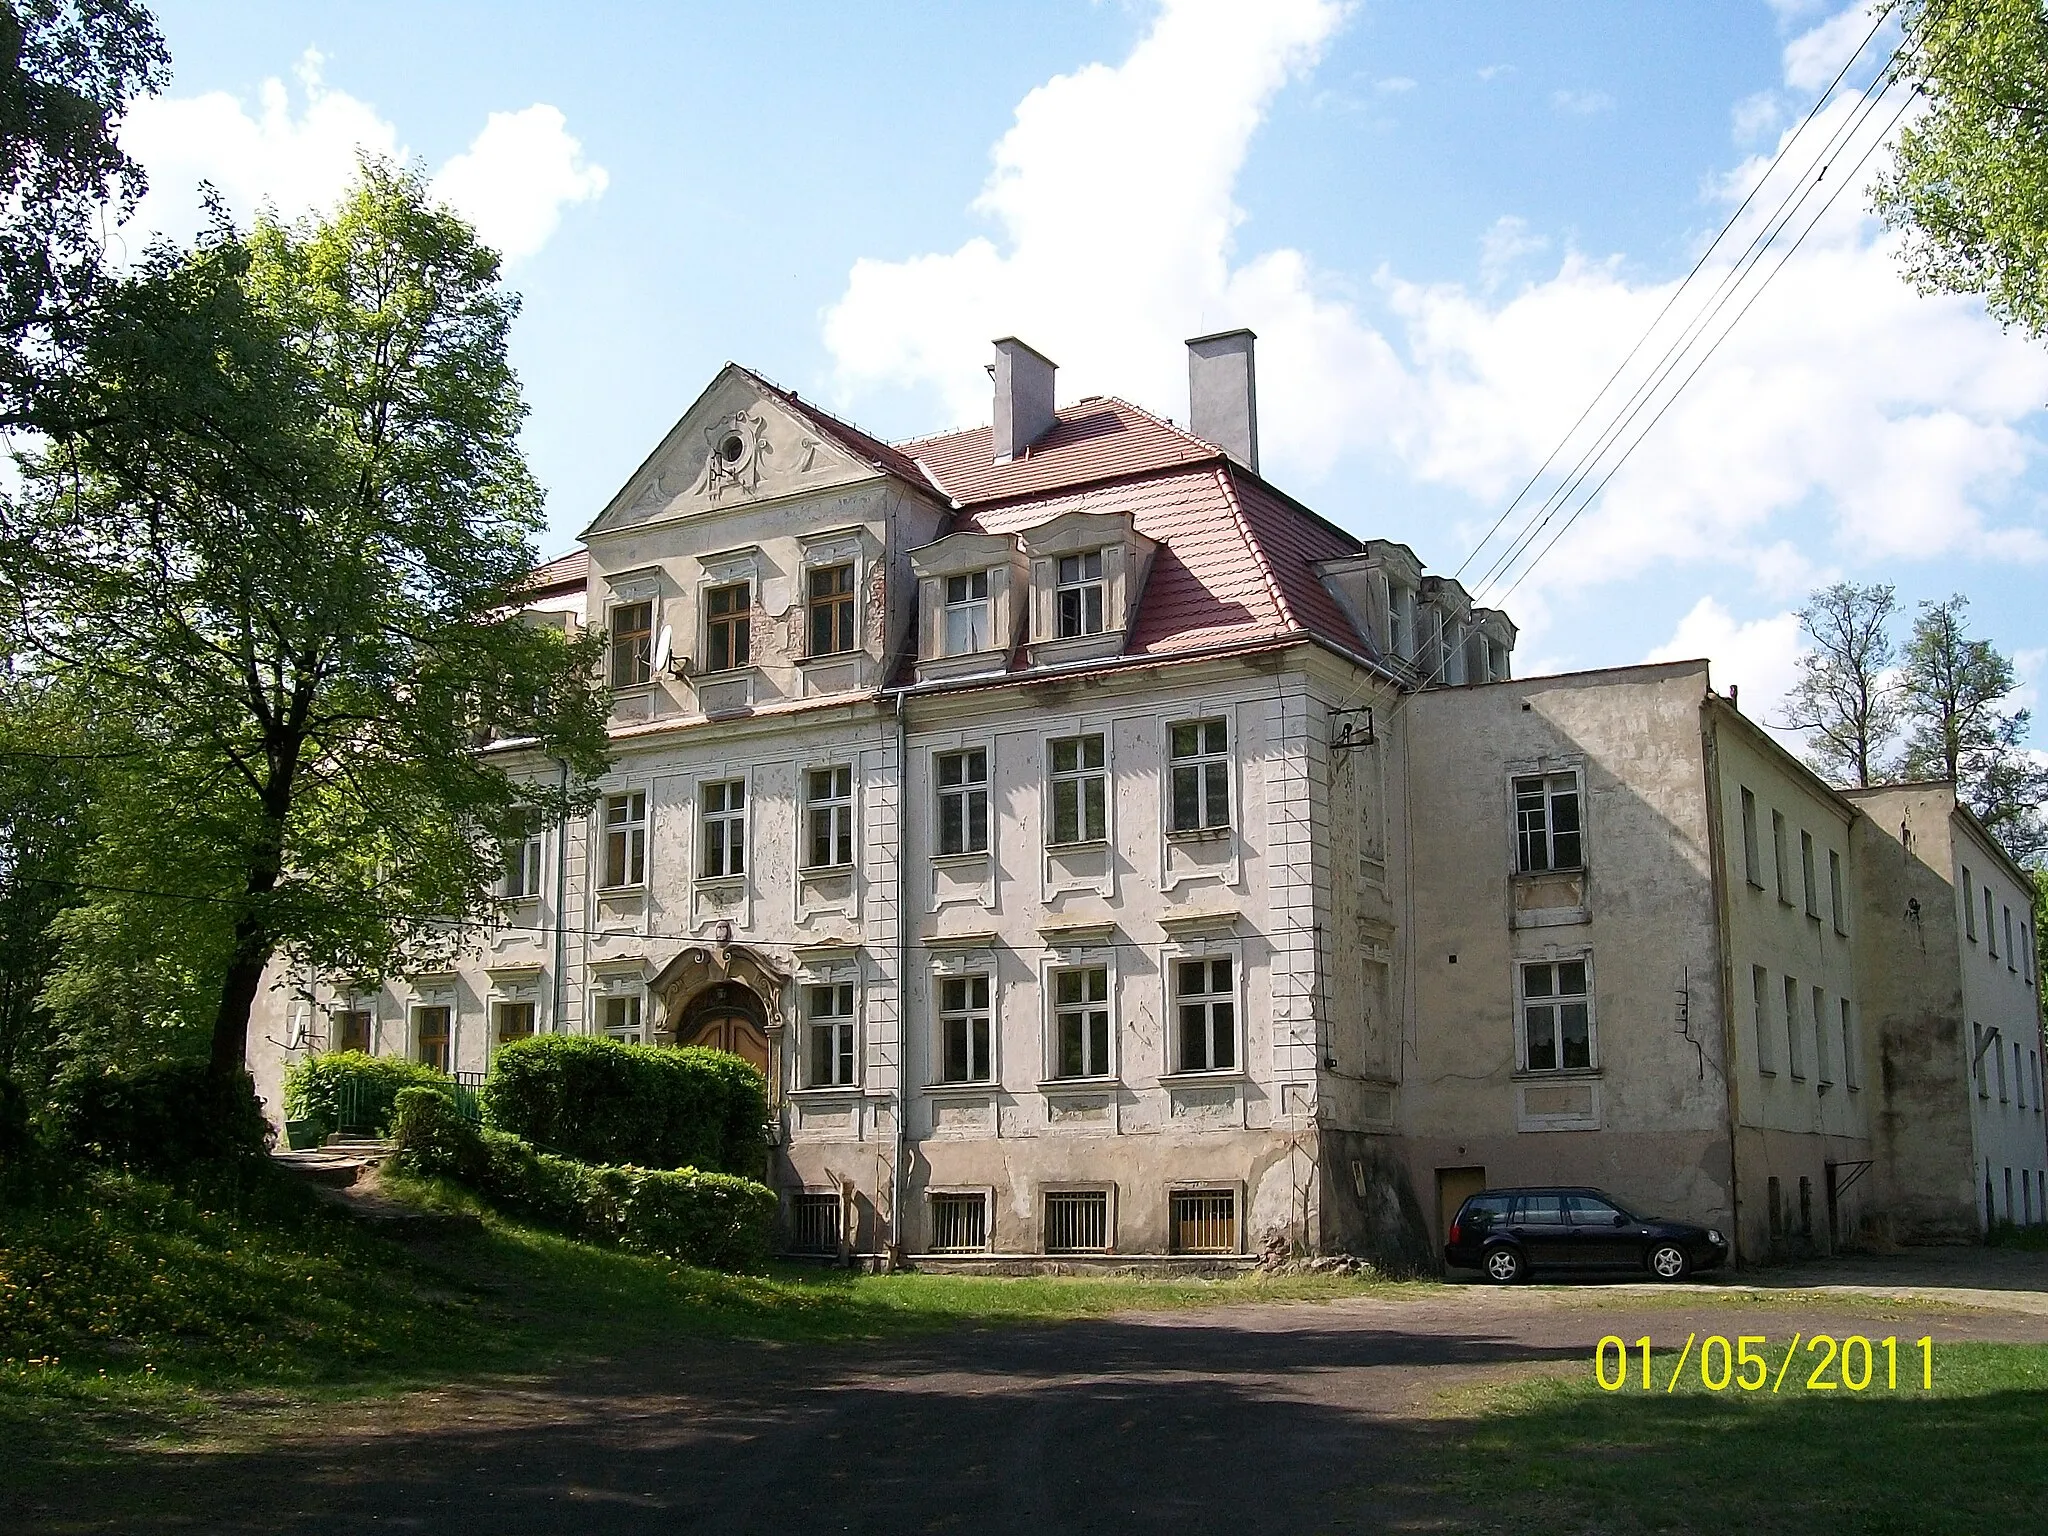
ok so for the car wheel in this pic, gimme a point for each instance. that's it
(1503, 1266)
(1668, 1262)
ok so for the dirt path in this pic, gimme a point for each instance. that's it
(1298, 1418)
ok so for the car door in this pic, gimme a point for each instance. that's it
(1541, 1227)
(1603, 1235)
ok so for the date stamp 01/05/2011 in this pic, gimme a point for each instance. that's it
(1748, 1363)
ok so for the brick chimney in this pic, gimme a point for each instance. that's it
(1223, 394)
(1023, 397)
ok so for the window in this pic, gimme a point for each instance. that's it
(1821, 1074)
(1990, 933)
(1201, 774)
(1998, 1056)
(1080, 798)
(1969, 908)
(351, 1030)
(1077, 600)
(2027, 951)
(625, 840)
(430, 1035)
(1204, 1220)
(1977, 1066)
(1206, 996)
(618, 1015)
(1752, 857)
(1557, 1016)
(1081, 1031)
(828, 798)
(728, 626)
(963, 1029)
(2034, 1064)
(511, 1020)
(1759, 986)
(963, 801)
(1541, 1211)
(1806, 875)
(2019, 1082)
(725, 829)
(522, 849)
(1794, 1061)
(959, 1223)
(2010, 957)
(1779, 856)
(829, 1012)
(830, 593)
(1835, 911)
(632, 644)
(967, 614)
(1077, 1221)
(814, 1222)
(1850, 1074)
(1547, 823)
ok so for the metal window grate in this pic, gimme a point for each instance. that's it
(1205, 1221)
(1077, 1221)
(959, 1223)
(815, 1219)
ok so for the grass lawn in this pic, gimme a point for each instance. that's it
(1559, 1454)
(130, 1310)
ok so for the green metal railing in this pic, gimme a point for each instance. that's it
(364, 1107)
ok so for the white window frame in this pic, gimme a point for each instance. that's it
(943, 1014)
(978, 593)
(633, 850)
(364, 1008)
(847, 602)
(1076, 780)
(1752, 846)
(439, 1002)
(966, 792)
(842, 1022)
(525, 855)
(630, 663)
(631, 995)
(1206, 955)
(1051, 1194)
(1552, 786)
(1081, 586)
(983, 1194)
(730, 823)
(1053, 979)
(1795, 1059)
(1556, 1001)
(1202, 763)
(527, 998)
(738, 623)
(842, 832)
(1760, 996)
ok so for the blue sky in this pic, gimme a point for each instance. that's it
(1447, 222)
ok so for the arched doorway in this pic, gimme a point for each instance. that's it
(727, 1017)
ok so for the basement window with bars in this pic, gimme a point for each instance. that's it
(959, 1222)
(1204, 1220)
(1077, 1221)
(814, 1223)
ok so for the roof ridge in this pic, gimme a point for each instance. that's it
(839, 425)
(1168, 423)
(1251, 539)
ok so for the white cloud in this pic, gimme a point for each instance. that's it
(514, 180)
(1582, 103)
(1394, 85)
(1756, 116)
(1814, 56)
(1504, 245)
(517, 176)
(1491, 72)
(1761, 657)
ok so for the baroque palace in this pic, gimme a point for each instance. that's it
(1102, 853)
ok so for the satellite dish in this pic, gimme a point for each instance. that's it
(663, 644)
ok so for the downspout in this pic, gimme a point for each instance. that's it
(561, 896)
(1717, 865)
(896, 1172)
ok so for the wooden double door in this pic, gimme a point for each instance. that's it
(727, 1018)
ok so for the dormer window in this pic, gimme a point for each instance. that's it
(1078, 597)
(728, 627)
(830, 597)
(967, 614)
(632, 644)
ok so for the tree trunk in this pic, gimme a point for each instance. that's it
(238, 998)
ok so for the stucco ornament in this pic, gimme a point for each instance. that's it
(739, 445)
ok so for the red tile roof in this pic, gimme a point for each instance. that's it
(1097, 439)
(570, 570)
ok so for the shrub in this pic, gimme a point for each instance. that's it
(314, 1089)
(163, 1115)
(712, 1219)
(603, 1102)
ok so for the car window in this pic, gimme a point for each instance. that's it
(1484, 1210)
(1540, 1211)
(1590, 1211)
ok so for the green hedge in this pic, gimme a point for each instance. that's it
(602, 1102)
(712, 1219)
(313, 1087)
(162, 1115)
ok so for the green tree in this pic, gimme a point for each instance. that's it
(1968, 186)
(1844, 696)
(68, 70)
(1949, 690)
(282, 549)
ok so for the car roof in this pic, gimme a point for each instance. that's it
(1542, 1189)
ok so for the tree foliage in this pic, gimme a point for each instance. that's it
(1950, 687)
(1845, 696)
(1969, 182)
(281, 547)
